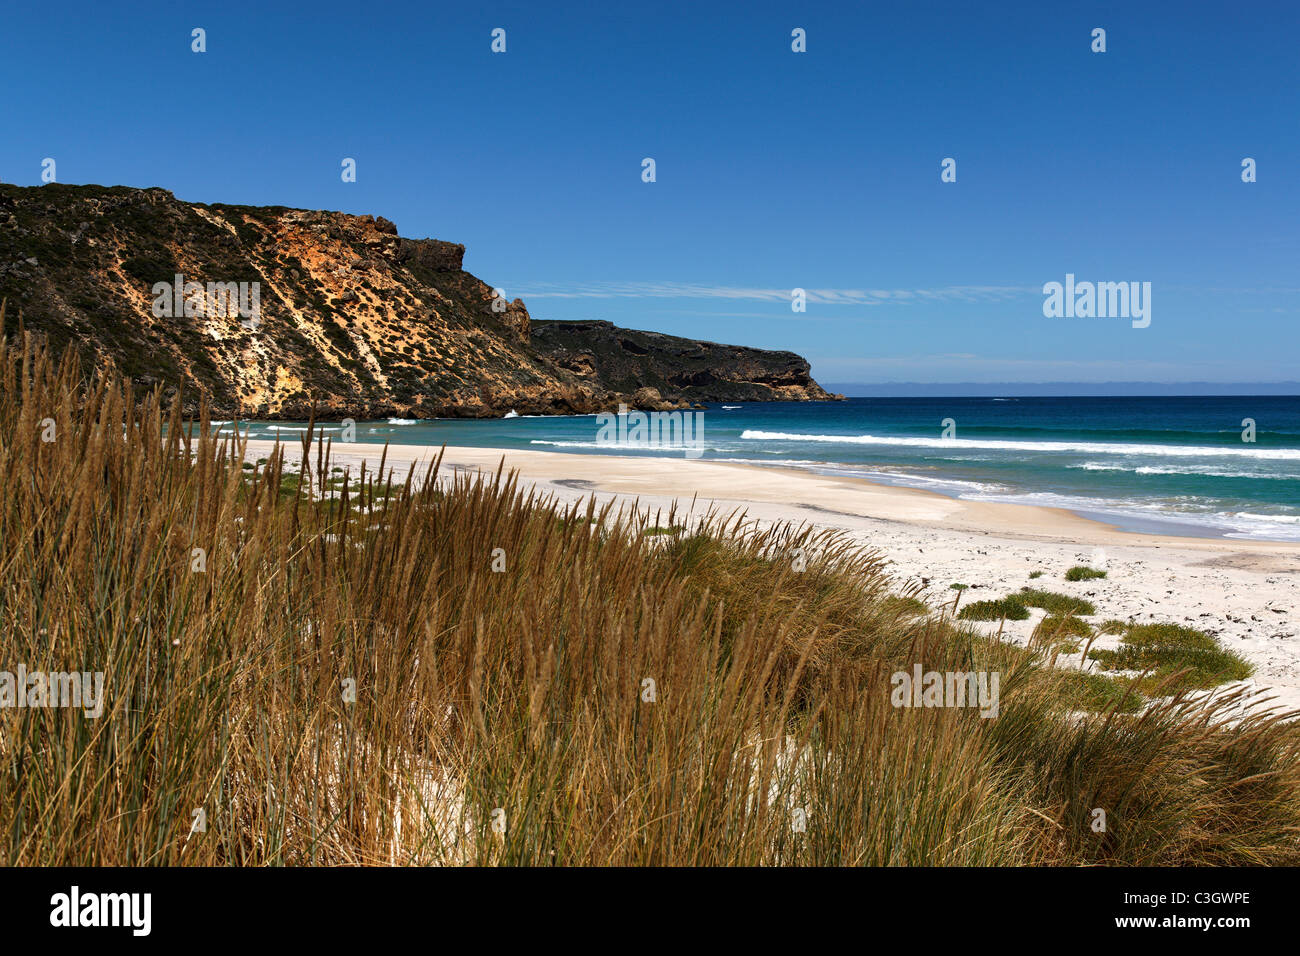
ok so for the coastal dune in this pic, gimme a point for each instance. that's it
(1245, 593)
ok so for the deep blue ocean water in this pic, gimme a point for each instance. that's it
(1169, 465)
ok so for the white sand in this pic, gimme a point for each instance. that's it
(1247, 593)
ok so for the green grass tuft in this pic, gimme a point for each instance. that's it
(1011, 608)
(1097, 692)
(904, 606)
(1062, 627)
(1055, 603)
(1167, 649)
(1081, 572)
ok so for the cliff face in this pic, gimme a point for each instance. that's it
(679, 369)
(346, 312)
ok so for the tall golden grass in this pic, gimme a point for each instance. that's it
(504, 717)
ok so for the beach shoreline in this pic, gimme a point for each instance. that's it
(718, 481)
(1244, 592)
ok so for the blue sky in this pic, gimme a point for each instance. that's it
(774, 169)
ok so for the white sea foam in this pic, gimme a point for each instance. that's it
(1184, 512)
(1095, 448)
(560, 417)
(1276, 519)
(604, 446)
(956, 487)
(1183, 470)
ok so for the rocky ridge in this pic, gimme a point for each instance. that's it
(351, 317)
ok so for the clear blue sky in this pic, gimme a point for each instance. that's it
(775, 170)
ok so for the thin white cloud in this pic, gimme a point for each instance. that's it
(686, 290)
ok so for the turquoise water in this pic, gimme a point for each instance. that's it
(1167, 465)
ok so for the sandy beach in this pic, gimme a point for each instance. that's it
(1246, 593)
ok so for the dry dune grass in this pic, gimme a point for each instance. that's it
(517, 700)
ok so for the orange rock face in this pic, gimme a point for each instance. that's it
(351, 317)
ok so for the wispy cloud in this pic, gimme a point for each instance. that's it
(695, 290)
(687, 290)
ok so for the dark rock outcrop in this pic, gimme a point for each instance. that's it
(678, 369)
(430, 254)
(351, 316)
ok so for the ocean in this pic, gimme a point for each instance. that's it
(1164, 465)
